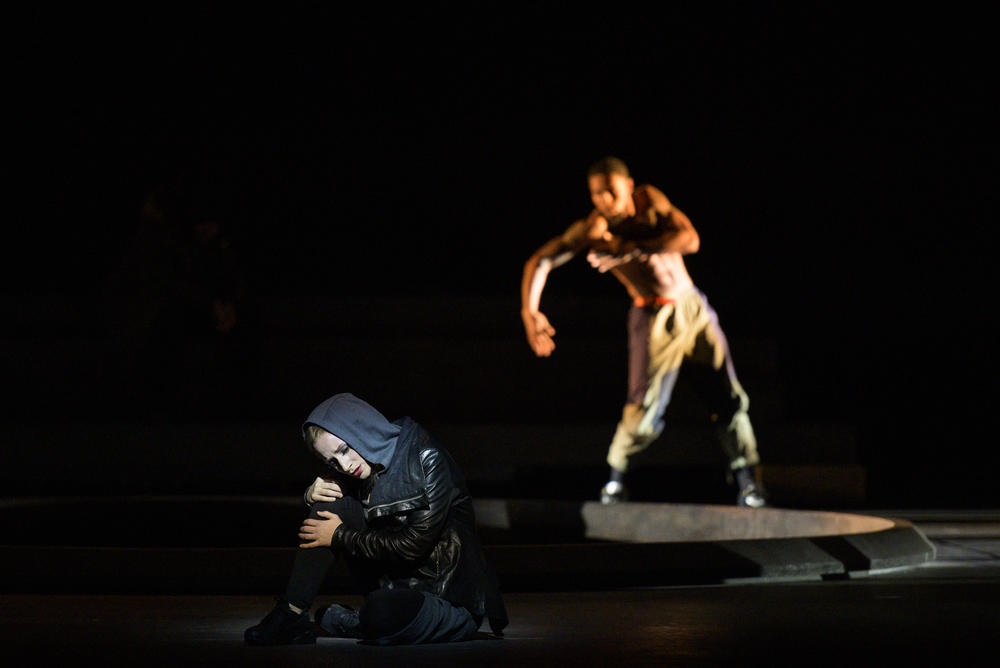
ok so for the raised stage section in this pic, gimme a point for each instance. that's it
(217, 545)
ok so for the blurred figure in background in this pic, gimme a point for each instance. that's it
(640, 237)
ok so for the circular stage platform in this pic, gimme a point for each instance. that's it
(656, 544)
(228, 544)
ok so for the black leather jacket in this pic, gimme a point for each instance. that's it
(422, 529)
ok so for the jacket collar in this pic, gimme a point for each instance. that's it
(401, 486)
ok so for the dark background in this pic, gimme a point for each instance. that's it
(383, 173)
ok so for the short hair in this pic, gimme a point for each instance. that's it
(608, 165)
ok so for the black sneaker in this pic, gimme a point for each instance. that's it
(340, 621)
(281, 626)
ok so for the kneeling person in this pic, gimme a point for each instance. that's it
(398, 510)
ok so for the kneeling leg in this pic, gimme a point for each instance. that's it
(410, 617)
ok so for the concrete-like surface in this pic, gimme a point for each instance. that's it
(239, 545)
(668, 522)
(940, 613)
(64, 605)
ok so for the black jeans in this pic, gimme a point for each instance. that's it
(388, 616)
(312, 564)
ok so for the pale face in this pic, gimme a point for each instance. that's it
(612, 195)
(337, 454)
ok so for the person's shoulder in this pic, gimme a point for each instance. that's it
(648, 196)
(586, 230)
(408, 428)
(415, 436)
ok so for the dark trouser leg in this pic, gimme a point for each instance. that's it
(641, 423)
(638, 353)
(638, 365)
(284, 626)
(718, 386)
(409, 617)
(716, 382)
(628, 438)
(312, 564)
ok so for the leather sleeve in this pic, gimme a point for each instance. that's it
(417, 537)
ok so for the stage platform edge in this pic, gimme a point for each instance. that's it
(532, 545)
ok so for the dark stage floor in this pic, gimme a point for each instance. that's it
(943, 612)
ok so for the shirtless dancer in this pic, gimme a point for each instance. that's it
(641, 238)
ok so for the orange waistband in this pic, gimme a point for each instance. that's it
(643, 302)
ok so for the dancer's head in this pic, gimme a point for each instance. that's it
(611, 187)
(350, 435)
(336, 453)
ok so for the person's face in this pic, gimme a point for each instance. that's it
(611, 194)
(338, 455)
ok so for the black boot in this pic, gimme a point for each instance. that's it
(752, 494)
(281, 626)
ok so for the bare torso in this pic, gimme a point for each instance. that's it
(643, 247)
(654, 275)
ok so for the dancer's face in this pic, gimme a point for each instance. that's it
(338, 455)
(611, 195)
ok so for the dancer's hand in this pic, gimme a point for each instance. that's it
(603, 262)
(319, 532)
(539, 332)
(323, 490)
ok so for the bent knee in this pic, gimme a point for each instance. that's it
(328, 506)
(347, 508)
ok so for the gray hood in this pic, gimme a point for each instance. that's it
(359, 424)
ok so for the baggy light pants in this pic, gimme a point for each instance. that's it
(662, 340)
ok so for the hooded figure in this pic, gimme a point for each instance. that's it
(359, 424)
(408, 527)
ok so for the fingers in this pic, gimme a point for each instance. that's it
(604, 262)
(542, 345)
(598, 262)
(310, 526)
(324, 490)
(544, 327)
(540, 332)
(308, 538)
